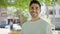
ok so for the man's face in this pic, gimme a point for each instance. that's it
(34, 10)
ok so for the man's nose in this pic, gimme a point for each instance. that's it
(34, 10)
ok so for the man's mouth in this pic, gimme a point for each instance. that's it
(33, 13)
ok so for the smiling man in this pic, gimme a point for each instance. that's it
(36, 25)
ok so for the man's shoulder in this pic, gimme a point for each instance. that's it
(25, 23)
(43, 21)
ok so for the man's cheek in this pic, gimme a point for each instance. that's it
(31, 12)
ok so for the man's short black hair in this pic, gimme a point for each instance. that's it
(35, 1)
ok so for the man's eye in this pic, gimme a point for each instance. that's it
(32, 8)
(36, 7)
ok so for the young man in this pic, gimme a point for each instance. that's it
(36, 25)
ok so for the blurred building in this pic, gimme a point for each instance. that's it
(51, 12)
(54, 14)
(3, 18)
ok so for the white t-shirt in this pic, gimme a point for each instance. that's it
(37, 27)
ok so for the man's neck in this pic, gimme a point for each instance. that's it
(35, 18)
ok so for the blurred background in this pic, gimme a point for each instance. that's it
(13, 13)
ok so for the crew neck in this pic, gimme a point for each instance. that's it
(35, 21)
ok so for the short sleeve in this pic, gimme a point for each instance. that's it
(49, 30)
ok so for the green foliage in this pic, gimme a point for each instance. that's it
(3, 3)
(58, 1)
(24, 4)
(20, 14)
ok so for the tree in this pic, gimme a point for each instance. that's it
(24, 4)
(19, 13)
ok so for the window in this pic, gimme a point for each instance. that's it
(51, 12)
